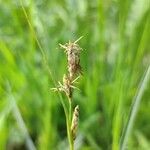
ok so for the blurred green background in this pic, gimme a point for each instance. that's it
(116, 54)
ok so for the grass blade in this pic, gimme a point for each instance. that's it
(134, 108)
(21, 124)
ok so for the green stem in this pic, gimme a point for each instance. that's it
(68, 115)
(70, 110)
(71, 143)
(69, 134)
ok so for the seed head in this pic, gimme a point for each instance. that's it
(72, 50)
(67, 86)
(75, 121)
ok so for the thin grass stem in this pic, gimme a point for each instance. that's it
(45, 59)
(67, 115)
(69, 119)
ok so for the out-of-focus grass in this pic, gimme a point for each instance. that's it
(116, 55)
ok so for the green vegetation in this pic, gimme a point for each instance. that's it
(114, 90)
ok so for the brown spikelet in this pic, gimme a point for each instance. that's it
(75, 121)
(67, 85)
(72, 50)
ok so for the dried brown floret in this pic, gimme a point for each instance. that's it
(72, 50)
(67, 86)
(75, 121)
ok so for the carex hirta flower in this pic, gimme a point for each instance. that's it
(72, 50)
(67, 86)
(74, 124)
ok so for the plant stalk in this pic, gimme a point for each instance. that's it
(69, 119)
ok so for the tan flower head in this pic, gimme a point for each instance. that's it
(72, 50)
(67, 86)
(75, 121)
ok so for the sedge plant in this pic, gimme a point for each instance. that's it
(72, 50)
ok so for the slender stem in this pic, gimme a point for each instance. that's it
(69, 134)
(68, 115)
(70, 110)
(69, 125)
